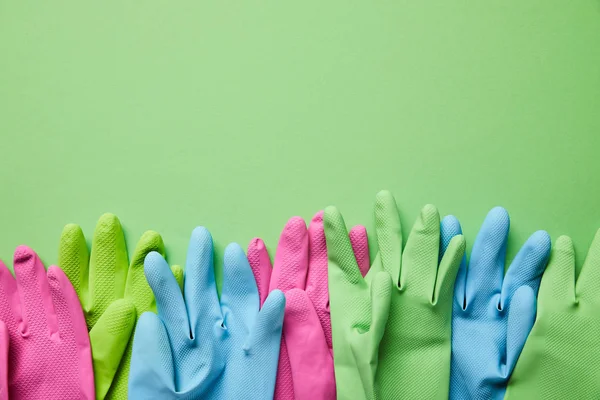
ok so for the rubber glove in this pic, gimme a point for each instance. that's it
(561, 358)
(49, 353)
(414, 353)
(113, 294)
(305, 369)
(200, 346)
(492, 313)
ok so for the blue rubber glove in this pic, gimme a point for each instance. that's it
(492, 313)
(200, 347)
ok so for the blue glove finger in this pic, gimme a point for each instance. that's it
(169, 301)
(239, 298)
(200, 289)
(151, 357)
(264, 342)
(450, 227)
(521, 316)
(528, 266)
(486, 266)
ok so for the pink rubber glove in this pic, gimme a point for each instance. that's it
(48, 344)
(305, 370)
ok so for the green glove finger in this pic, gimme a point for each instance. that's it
(446, 275)
(137, 289)
(366, 349)
(108, 266)
(588, 284)
(73, 259)
(109, 339)
(558, 282)
(421, 255)
(389, 235)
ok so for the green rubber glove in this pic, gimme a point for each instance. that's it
(414, 354)
(113, 295)
(561, 358)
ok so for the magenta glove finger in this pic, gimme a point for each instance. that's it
(316, 281)
(291, 258)
(360, 246)
(309, 353)
(3, 361)
(258, 258)
(49, 347)
(289, 272)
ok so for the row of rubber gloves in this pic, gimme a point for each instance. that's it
(416, 323)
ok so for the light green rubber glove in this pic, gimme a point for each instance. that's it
(414, 354)
(561, 358)
(113, 295)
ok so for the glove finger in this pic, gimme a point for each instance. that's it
(381, 299)
(521, 316)
(4, 339)
(137, 289)
(389, 234)
(339, 249)
(108, 266)
(109, 339)
(239, 297)
(309, 353)
(10, 307)
(169, 300)
(365, 346)
(447, 271)
(421, 255)
(449, 228)
(265, 335)
(360, 247)
(528, 266)
(291, 258)
(72, 326)
(177, 272)
(151, 358)
(558, 281)
(486, 266)
(347, 285)
(73, 259)
(316, 281)
(588, 284)
(260, 262)
(38, 311)
(200, 288)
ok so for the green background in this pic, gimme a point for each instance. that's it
(239, 115)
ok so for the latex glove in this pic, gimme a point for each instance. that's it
(305, 368)
(492, 313)
(560, 359)
(414, 353)
(200, 346)
(49, 353)
(113, 294)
